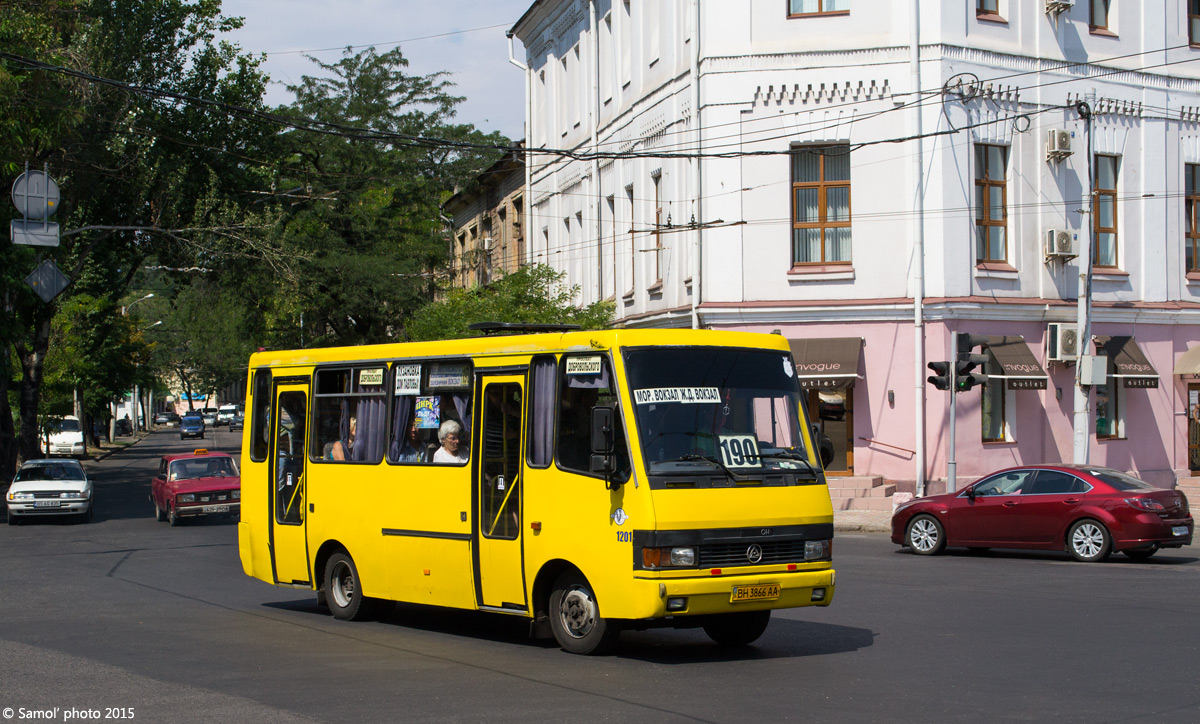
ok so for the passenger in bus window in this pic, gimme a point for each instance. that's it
(341, 448)
(411, 452)
(452, 450)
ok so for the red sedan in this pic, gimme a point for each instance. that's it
(1090, 511)
(195, 484)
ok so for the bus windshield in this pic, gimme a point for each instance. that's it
(733, 411)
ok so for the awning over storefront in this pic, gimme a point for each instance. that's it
(1189, 363)
(1127, 360)
(826, 363)
(1021, 370)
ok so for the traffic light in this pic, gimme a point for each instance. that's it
(941, 378)
(965, 377)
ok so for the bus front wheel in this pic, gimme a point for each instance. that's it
(737, 629)
(575, 617)
(343, 589)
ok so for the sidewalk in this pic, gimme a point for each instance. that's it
(867, 521)
(109, 447)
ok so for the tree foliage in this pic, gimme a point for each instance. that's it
(363, 215)
(533, 294)
(141, 176)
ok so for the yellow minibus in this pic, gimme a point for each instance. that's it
(589, 481)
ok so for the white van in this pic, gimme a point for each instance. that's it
(68, 439)
(226, 413)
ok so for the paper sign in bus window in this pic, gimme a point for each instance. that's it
(590, 365)
(372, 376)
(739, 451)
(443, 376)
(429, 412)
(687, 395)
(408, 379)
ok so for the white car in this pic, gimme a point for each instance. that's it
(68, 439)
(50, 487)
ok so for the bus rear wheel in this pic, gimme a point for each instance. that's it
(343, 590)
(737, 629)
(575, 617)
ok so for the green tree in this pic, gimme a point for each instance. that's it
(533, 294)
(363, 213)
(143, 175)
(201, 342)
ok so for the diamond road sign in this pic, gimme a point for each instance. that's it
(47, 280)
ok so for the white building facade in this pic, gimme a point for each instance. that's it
(870, 177)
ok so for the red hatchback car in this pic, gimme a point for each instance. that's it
(199, 483)
(1090, 511)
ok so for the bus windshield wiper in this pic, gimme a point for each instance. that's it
(706, 458)
(790, 455)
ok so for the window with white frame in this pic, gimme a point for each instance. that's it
(997, 405)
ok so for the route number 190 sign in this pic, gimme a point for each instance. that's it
(739, 451)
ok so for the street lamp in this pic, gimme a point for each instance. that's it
(125, 309)
(152, 326)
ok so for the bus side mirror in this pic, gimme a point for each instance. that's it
(602, 430)
(603, 437)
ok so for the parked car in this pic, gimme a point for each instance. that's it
(166, 417)
(1088, 510)
(210, 416)
(226, 413)
(238, 421)
(196, 484)
(124, 426)
(49, 488)
(67, 439)
(191, 425)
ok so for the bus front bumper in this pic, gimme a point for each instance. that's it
(706, 595)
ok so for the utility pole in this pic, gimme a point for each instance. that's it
(1082, 418)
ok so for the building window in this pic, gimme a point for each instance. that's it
(656, 236)
(630, 261)
(987, 7)
(821, 204)
(1104, 211)
(817, 7)
(1193, 22)
(1099, 16)
(1191, 210)
(995, 405)
(1108, 410)
(991, 202)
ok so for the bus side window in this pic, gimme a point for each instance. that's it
(260, 416)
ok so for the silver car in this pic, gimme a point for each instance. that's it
(50, 488)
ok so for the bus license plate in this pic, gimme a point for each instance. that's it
(759, 592)
(216, 509)
(1179, 530)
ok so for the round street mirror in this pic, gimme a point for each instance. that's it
(35, 195)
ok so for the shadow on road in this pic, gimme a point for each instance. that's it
(1165, 557)
(785, 638)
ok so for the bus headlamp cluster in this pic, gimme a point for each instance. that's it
(815, 550)
(669, 557)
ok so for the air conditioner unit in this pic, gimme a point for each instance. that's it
(1060, 244)
(1058, 143)
(1062, 342)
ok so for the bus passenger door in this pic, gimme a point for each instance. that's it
(289, 544)
(499, 573)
